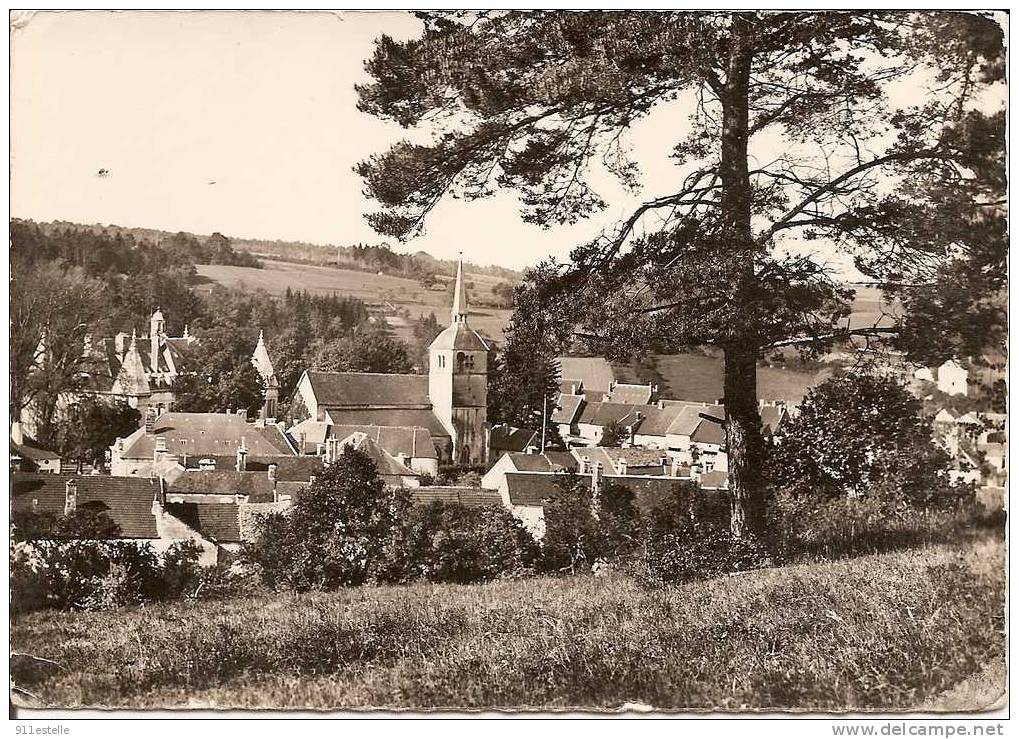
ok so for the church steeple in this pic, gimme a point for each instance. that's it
(459, 312)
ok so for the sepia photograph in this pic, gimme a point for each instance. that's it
(522, 362)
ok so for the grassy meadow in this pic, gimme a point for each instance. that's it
(885, 631)
(277, 276)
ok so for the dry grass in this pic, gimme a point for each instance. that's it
(886, 631)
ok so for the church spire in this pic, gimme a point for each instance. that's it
(459, 312)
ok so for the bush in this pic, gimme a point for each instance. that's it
(341, 530)
(95, 575)
(862, 435)
(449, 542)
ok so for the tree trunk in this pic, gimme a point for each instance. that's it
(743, 422)
(744, 442)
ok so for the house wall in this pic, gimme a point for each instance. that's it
(590, 432)
(495, 478)
(171, 529)
(532, 517)
(650, 442)
(424, 465)
(952, 379)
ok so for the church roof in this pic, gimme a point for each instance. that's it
(420, 417)
(459, 294)
(460, 336)
(261, 359)
(369, 390)
(132, 379)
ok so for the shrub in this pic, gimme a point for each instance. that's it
(341, 530)
(862, 435)
(449, 542)
(94, 575)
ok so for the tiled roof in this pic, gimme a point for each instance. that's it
(657, 420)
(369, 390)
(387, 464)
(414, 441)
(288, 467)
(312, 432)
(219, 522)
(604, 414)
(422, 417)
(223, 482)
(595, 372)
(623, 392)
(30, 449)
(126, 500)
(511, 439)
(689, 418)
(547, 462)
(708, 432)
(567, 408)
(205, 435)
(773, 418)
(571, 386)
(464, 496)
(634, 457)
(535, 488)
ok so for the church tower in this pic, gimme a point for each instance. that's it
(458, 381)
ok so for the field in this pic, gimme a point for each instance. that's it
(397, 292)
(888, 631)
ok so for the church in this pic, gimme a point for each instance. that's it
(140, 370)
(450, 402)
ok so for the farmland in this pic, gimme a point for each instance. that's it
(886, 631)
(393, 293)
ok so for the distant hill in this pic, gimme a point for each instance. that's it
(360, 257)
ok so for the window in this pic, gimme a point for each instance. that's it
(442, 360)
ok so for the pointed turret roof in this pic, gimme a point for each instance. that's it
(132, 378)
(261, 359)
(459, 311)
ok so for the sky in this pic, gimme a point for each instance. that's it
(246, 123)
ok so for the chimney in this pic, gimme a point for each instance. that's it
(621, 466)
(272, 471)
(242, 456)
(585, 465)
(150, 419)
(161, 445)
(70, 497)
(301, 439)
(661, 405)
(664, 464)
(311, 479)
(17, 433)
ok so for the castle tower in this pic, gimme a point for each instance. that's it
(458, 381)
(157, 329)
(260, 358)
